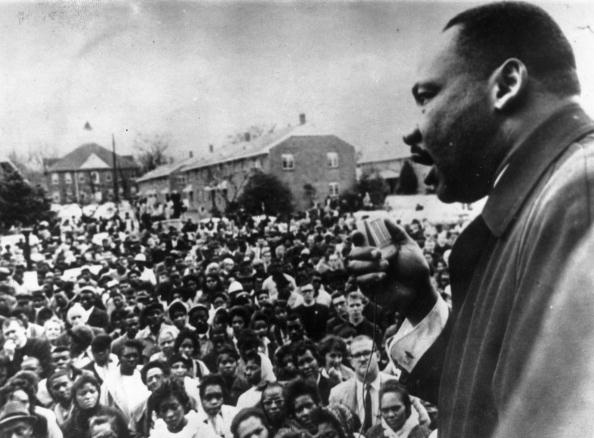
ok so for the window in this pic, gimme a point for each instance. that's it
(333, 189)
(55, 179)
(81, 177)
(95, 178)
(258, 163)
(332, 159)
(68, 178)
(56, 196)
(108, 177)
(288, 161)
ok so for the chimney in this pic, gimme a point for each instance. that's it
(247, 136)
(191, 154)
(210, 148)
(302, 119)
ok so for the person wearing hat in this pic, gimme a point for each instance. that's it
(146, 274)
(17, 422)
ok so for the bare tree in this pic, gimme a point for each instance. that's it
(31, 162)
(151, 150)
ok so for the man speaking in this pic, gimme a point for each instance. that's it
(498, 117)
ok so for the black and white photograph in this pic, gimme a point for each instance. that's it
(296, 219)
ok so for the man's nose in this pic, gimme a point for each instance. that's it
(412, 138)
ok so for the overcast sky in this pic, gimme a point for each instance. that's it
(202, 70)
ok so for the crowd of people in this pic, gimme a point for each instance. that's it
(236, 328)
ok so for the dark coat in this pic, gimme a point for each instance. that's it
(504, 269)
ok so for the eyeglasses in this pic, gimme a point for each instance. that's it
(361, 354)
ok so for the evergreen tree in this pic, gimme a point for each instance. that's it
(265, 194)
(20, 202)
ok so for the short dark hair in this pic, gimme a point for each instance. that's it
(297, 388)
(186, 334)
(395, 387)
(492, 33)
(243, 415)
(133, 343)
(176, 357)
(168, 389)
(211, 380)
(228, 349)
(154, 364)
(301, 347)
(333, 343)
(100, 342)
(54, 376)
(321, 415)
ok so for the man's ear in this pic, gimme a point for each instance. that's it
(508, 84)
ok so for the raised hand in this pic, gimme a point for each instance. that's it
(399, 279)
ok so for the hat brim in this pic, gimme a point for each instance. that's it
(17, 417)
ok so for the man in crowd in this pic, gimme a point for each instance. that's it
(361, 392)
(17, 345)
(355, 318)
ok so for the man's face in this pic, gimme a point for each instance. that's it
(308, 365)
(252, 427)
(132, 326)
(154, 379)
(61, 360)
(154, 318)
(129, 360)
(456, 130)
(101, 356)
(355, 308)
(227, 365)
(212, 400)
(340, 306)
(295, 329)
(308, 294)
(253, 372)
(61, 389)
(87, 299)
(32, 364)
(15, 332)
(364, 359)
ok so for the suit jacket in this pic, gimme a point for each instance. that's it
(346, 393)
(36, 347)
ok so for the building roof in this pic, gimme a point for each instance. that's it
(165, 170)
(385, 152)
(90, 156)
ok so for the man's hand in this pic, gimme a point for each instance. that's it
(400, 281)
(9, 348)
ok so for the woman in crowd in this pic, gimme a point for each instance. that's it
(85, 393)
(187, 345)
(273, 406)
(301, 398)
(395, 409)
(176, 419)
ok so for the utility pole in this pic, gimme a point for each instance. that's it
(115, 172)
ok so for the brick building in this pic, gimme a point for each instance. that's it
(314, 166)
(86, 174)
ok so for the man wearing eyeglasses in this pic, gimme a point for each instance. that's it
(361, 392)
